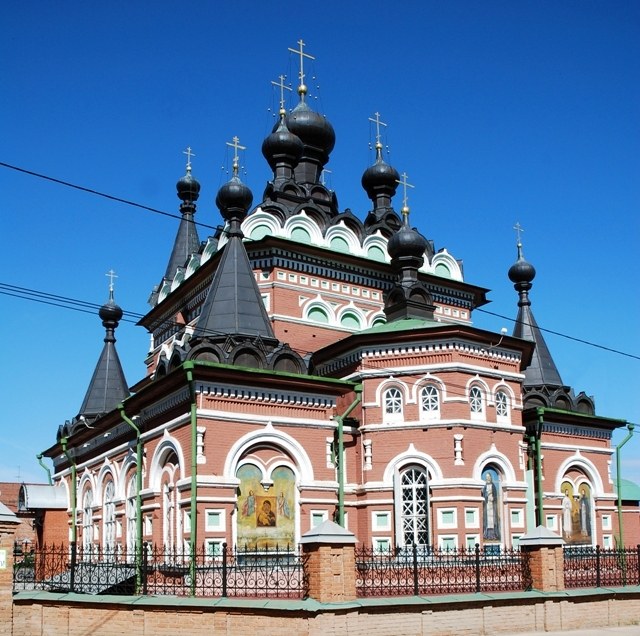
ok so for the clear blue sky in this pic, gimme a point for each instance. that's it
(499, 112)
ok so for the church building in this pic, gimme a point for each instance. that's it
(307, 365)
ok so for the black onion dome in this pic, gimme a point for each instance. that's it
(380, 175)
(406, 242)
(282, 144)
(110, 313)
(234, 199)
(521, 271)
(188, 187)
(312, 128)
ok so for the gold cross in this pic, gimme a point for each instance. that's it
(377, 121)
(302, 55)
(236, 146)
(111, 274)
(189, 154)
(518, 228)
(283, 87)
(405, 184)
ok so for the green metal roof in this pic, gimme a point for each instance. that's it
(630, 490)
(404, 324)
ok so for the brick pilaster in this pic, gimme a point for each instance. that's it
(8, 529)
(330, 563)
(546, 559)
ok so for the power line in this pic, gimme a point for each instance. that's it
(211, 227)
(111, 197)
(66, 302)
(563, 335)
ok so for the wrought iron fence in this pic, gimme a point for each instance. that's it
(419, 570)
(586, 566)
(237, 572)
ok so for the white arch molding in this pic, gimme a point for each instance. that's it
(168, 444)
(495, 457)
(271, 436)
(412, 456)
(586, 466)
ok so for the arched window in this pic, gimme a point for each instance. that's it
(502, 405)
(392, 404)
(132, 516)
(414, 507)
(301, 235)
(350, 320)
(171, 515)
(338, 244)
(109, 519)
(87, 521)
(430, 401)
(376, 253)
(476, 402)
(318, 314)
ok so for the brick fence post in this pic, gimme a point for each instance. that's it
(8, 525)
(330, 563)
(546, 559)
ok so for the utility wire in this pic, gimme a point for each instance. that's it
(102, 194)
(66, 302)
(211, 227)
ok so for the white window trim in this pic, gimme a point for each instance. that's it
(442, 538)
(317, 513)
(222, 520)
(442, 524)
(380, 515)
(476, 518)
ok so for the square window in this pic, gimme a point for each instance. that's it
(470, 541)
(382, 544)
(552, 522)
(607, 542)
(318, 517)
(517, 518)
(214, 549)
(355, 291)
(365, 293)
(375, 295)
(471, 518)
(325, 284)
(335, 287)
(606, 522)
(314, 282)
(281, 276)
(515, 540)
(447, 518)
(304, 280)
(447, 542)
(381, 520)
(464, 314)
(345, 289)
(214, 520)
(293, 278)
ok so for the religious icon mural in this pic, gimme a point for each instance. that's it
(576, 513)
(265, 518)
(491, 513)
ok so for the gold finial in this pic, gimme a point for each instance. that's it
(378, 122)
(111, 275)
(283, 87)
(405, 184)
(235, 144)
(302, 89)
(518, 228)
(189, 154)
